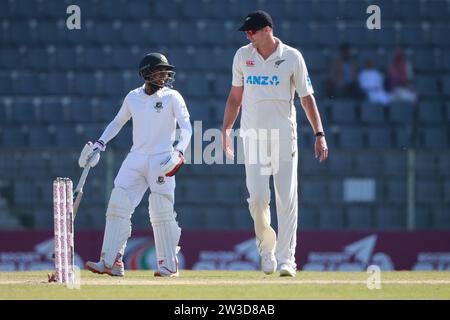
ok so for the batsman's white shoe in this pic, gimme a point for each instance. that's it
(117, 269)
(287, 271)
(268, 263)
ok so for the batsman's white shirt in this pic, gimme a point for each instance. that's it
(268, 103)
(269, 87)
(154, 128)
(154, 119)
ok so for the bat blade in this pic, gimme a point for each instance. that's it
(76, 203)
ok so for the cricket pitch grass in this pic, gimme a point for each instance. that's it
(224, 285)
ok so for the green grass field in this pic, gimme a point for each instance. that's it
(206, 285)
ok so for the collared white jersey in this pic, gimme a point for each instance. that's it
(154, 118)
(269, 87)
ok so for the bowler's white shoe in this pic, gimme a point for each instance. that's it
(287, 271)
(268, 263)
(117, 269)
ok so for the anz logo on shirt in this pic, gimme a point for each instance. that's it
(263, 80)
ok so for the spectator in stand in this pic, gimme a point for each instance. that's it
(342, 75)
(371, 82)
(400, 74)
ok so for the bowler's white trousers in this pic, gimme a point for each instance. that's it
(281, 163)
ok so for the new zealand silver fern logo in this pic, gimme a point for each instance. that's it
(277, 63)
(158, 107)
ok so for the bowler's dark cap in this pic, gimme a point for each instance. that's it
(257, 20)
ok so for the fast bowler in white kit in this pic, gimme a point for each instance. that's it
(266, 74)
(152, 162)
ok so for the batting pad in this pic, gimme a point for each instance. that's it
(118, 225)
(265, 235)
(165, 230)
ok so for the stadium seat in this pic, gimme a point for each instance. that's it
(139, 9)
(394, 163)
(124, 140)
(13, 137)
(222, 85)
(388, 218)
(40, 137)
(199, 110)
(430, 112)
(404, 136)
(197, 86)
(434, 137)
(309, 164)
(294, 32)
(408, 11)
(426, 163)
(351, 137)
(379, 137)
(190, 217)
(441, 217)
(446, 86)
(24, 111)
(400, 113)
(359, 217)
(426, 86)
(86, 85)
(444, 164)
(428, 191)
(343, 111)
(396, 191)
(312, 191)
(81, 110)
(335, 191)
(331, 217)
(228, 195)
(218, 218)
(57, 83)
(366, 163)
(447, 112)
(423, 218)
(413, 34)
(25, 193)
(372, 113)
(308, 217)
(439, 35)
(53, 111)
(315, 60)
(242, 218)
(42, 218)
(5, 111)
(327, 34)
(446, 191)
(67, 136)
(340, 163)
(425, 60)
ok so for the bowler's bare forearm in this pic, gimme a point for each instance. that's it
(312, 112)
(232, 108)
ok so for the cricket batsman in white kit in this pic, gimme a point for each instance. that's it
(155, 109)
(266, 75)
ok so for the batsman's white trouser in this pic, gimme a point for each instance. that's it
(137, 173)
(282, 165)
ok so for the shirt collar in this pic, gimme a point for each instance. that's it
(278, 52)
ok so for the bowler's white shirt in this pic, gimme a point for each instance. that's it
(269, 87)
(154, 119)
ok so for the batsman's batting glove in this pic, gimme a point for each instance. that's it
(173, 163)
(90, 155)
